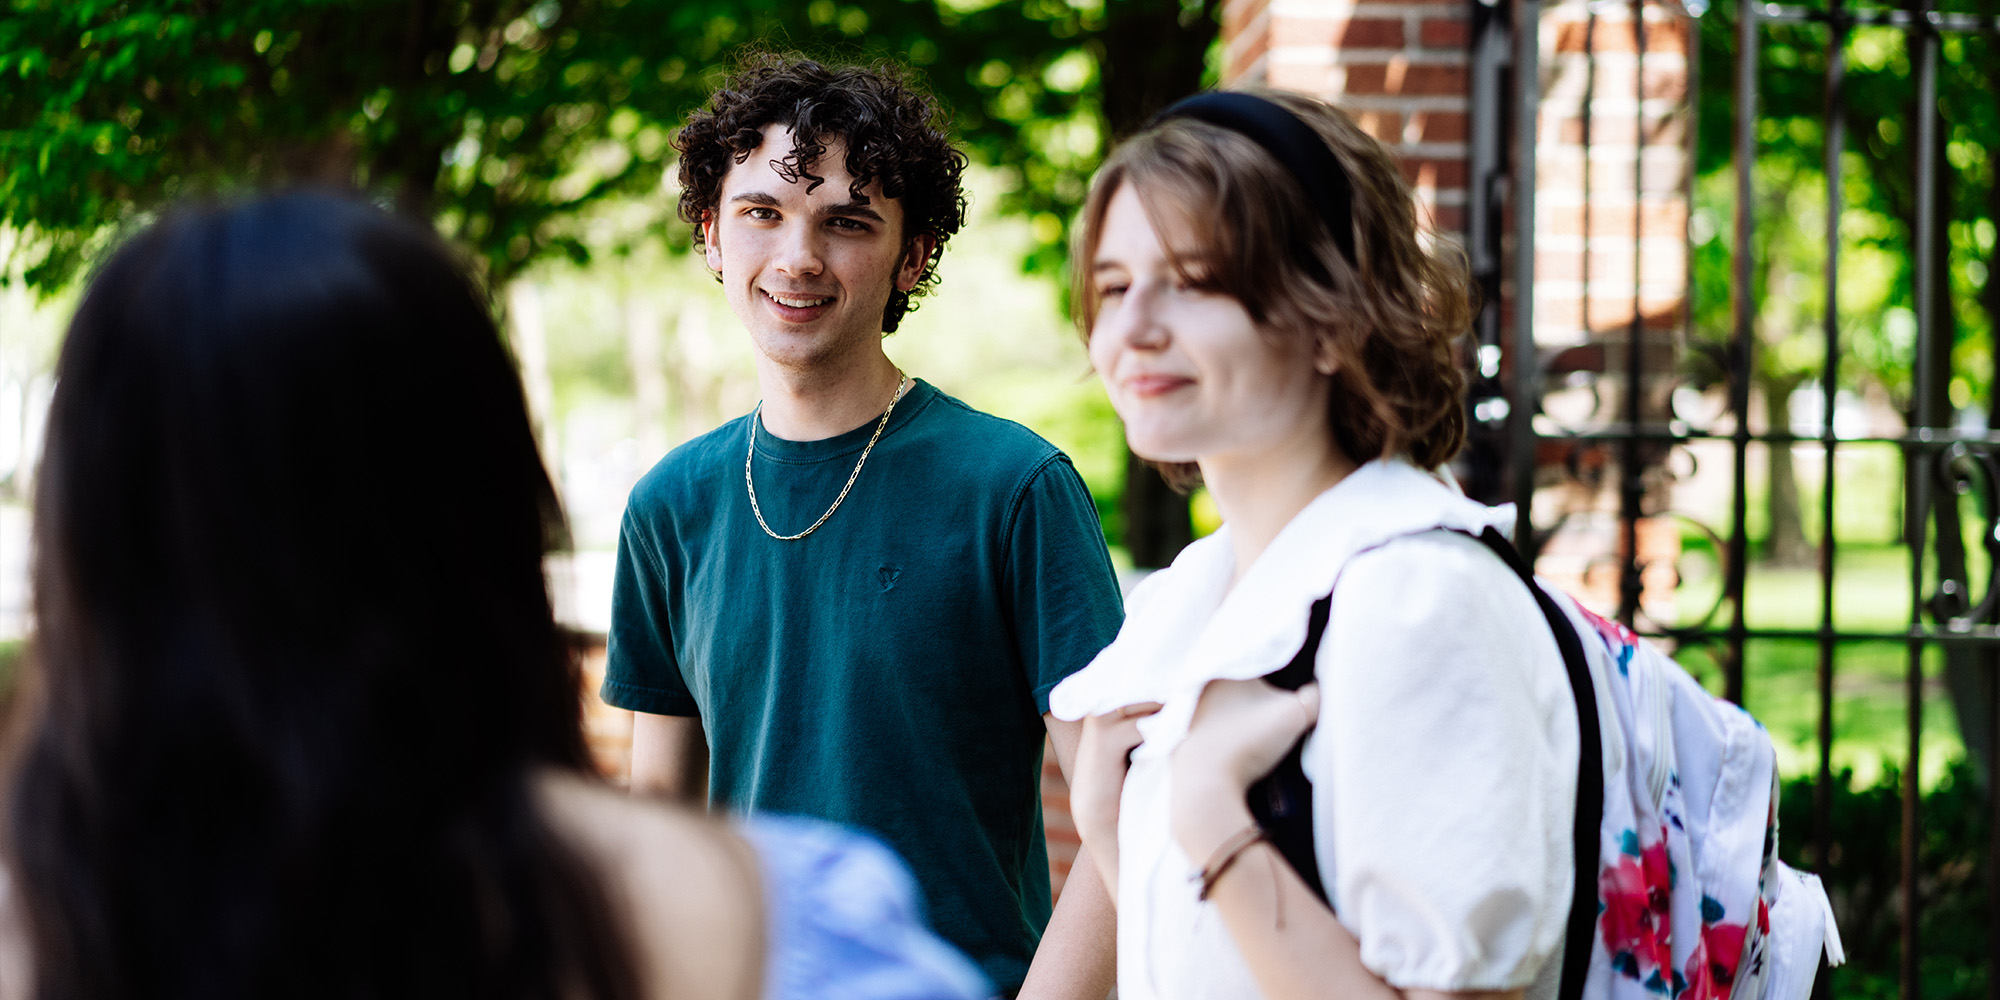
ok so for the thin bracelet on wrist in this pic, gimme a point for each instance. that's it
(1225, 856)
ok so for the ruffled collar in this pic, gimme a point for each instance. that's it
(1183, 631)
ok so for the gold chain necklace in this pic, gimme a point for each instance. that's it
(903, 382)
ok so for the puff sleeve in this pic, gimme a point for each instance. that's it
(1444, 768)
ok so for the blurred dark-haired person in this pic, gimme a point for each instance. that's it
(864, 590)
(297, 720)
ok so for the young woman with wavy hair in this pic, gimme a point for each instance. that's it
(1268, 319)
(297, 719)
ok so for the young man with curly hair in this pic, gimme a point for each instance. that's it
(865, 589)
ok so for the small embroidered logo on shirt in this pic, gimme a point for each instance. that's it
(888, 575)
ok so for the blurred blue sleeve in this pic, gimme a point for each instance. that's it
(845, 921)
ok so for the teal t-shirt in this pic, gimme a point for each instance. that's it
(889, 670)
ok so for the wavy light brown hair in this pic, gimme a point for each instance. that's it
(1391, 318)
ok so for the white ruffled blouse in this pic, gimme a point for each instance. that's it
(1443, 764)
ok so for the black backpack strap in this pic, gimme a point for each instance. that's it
(1589, 778)
(1282, 800)
(1298, 673)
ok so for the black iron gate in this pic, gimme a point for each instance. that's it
(1944, 466)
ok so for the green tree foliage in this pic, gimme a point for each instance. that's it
(495, 118)
(1878, 110)
(502, 119)
(505, 121)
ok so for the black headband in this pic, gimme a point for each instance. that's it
(1302, 152)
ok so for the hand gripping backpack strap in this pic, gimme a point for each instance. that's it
(1589, 778)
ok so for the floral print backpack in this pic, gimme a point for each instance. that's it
(1692, 902)
(1680, 894)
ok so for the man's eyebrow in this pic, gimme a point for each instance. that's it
(852, 209)
(855, 209)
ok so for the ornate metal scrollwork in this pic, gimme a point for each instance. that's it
(1693, 406)
(1962, 469)
(1719, 550)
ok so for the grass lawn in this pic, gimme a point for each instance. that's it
(1871, 593)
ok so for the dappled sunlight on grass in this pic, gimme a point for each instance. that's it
(1780, 688)
(1871, 594)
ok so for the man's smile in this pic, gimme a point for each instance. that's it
(795, 308)
(798, 301)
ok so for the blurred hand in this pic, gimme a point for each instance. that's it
(1241, 730)
(1102, 758)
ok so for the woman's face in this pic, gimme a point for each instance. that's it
(1188, 370)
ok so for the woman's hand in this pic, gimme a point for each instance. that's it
(1102, 758)
(1241, 730)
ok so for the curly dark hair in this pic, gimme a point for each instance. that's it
(893, 132)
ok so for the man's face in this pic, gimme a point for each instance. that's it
(809, 274)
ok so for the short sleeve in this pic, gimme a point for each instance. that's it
(641, 672)
(844, 920)
(1444, 767)
(1062, 592)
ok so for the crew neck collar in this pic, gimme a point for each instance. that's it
(847, 443)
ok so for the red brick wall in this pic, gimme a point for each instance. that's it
(608, 729)
(1398, 67)
(1063, 841)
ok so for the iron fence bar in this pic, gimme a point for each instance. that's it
(1527, 368)
(1487, 53)
(1486, 163)
(1993, 848)
(1747, 39)
(1925, 376)
(1836, 141)
(1693, 55)
(1631, 482)
(1993, 745)
(1913, 687)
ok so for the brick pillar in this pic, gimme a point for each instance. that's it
(1612, 170)
(1611, 247)
(1056, 823)
(1399, 66)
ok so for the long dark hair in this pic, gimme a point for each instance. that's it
(294, 661)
